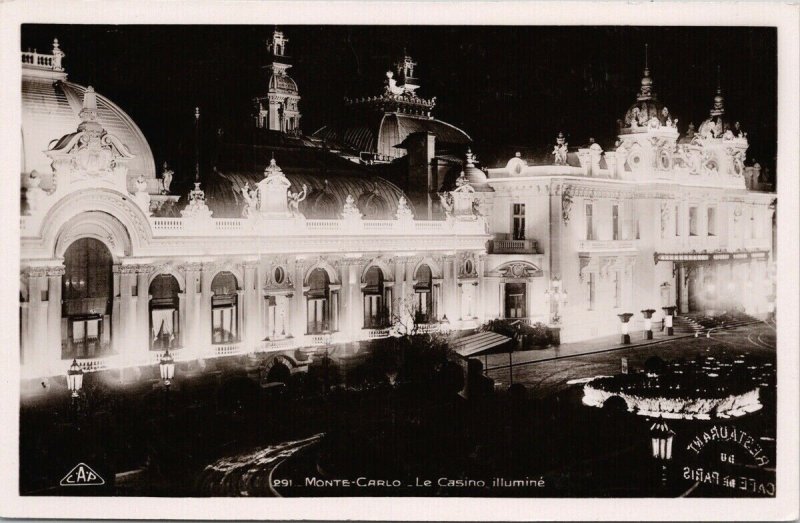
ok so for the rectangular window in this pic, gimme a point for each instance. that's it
(590, 291)
(519, 221)
(615, 221)
(712, 221)
(692, 221)
(677, 220)
(617, 289)
(589, 222)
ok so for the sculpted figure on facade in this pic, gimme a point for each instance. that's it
(566, 203)
(91, 150)
(250, 196)
(142, 197)
(34, 193)
(560, 150)
(166, 178)
(294, 199)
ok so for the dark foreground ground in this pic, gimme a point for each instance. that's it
(221, 434)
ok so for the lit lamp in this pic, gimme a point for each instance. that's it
(167, 367)
(444, 325)
(668, 314)
(624, 318)
(75, 378)
(648, 323)
(661, 440)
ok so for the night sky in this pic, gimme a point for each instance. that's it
(505, 86)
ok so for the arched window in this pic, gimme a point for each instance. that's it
(423, 294)
(224, 309)
(374, 208)
(325, 208)
(87, 292)
(318, 302)
(375, 313)
(164, 319)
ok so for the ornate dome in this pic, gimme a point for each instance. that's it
(282, 83)
(475, 176)
(51, 109)
(646, 106)
(718, 124)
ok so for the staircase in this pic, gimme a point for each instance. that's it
(685, 325)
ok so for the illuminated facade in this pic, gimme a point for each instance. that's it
(275, 256)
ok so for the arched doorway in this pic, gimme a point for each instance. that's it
(515, 298)
(279, 372)
(164, 313)
(375, 314)
(87, 292)
(318, 302)
(224, 309)
(423, 295)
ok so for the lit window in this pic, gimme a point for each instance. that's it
(692, 221)
(519, 221)
(589, 222)
(712, 221)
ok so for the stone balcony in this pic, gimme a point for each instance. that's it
(599, 246)
(502, 246)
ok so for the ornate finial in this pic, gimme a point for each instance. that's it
(350, 209)
(462, 180)
(273, 169)
(403, 210)
(58, 54)
(89, 110)
(470, 158)
(196, 113)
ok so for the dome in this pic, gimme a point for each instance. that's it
(475, 176)
(50, 111)
(646, 106)
(382, 135)
(718, 124)
(282, 83)
(328, 177)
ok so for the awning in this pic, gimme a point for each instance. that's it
(475, 344)
(709, 256)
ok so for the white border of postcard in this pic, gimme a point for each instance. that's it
(785, 17)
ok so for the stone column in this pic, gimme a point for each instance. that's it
(36, 352)
(480, 294)
(251, 316)
(449, 287)
(204, 317)
(116, 312)
(356, 299)
(345, 308)
(190, 312)
(241, 333)
(54, 275)
(456, 305)
(297, 316)
(683, 289)
(128, 313)
(143, 331)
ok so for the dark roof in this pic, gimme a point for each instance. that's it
(329, 179)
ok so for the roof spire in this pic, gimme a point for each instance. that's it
(197, 145)
(646, 90)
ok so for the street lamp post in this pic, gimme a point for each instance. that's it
(74, 384)
(661, 445)
(624, 318)
(166, 365)
(557, 298)
(668, 314)
(648, 323)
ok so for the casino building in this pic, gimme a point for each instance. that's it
(293, 241)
